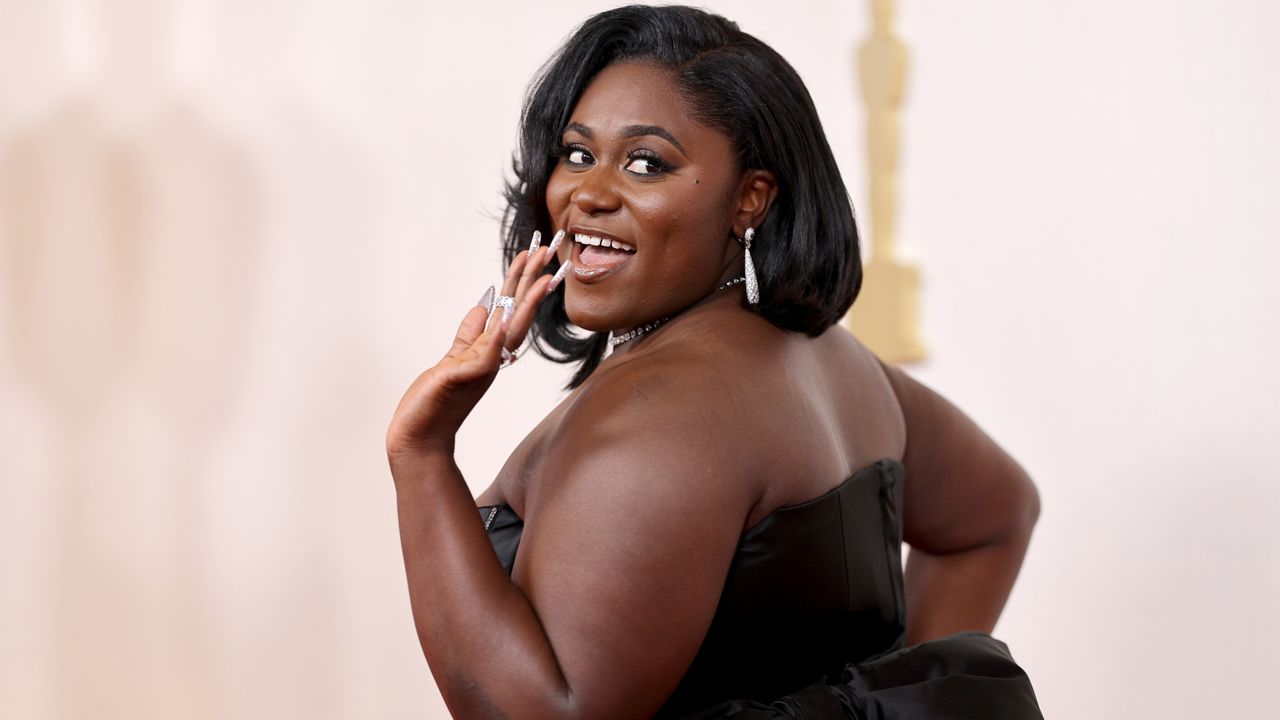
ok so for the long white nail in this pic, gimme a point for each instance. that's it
(555, 279)
(555, 242)
(486, 300)
(537, 240)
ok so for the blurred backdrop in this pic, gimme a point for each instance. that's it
(232, 232)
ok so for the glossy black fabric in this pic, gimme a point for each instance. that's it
(966, 676)
(811, 622)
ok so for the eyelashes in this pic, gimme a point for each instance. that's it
(576, 155)
(649, 159)
(641, 162)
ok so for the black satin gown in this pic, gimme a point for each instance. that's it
(811, 622)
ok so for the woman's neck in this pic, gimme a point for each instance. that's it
(634, 336)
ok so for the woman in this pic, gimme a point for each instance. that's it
(710, 521)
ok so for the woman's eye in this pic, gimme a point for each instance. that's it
(578, 156)
(645, 165)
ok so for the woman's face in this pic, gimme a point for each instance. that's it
(638, 172)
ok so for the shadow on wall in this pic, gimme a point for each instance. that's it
(186, 301)
(128, 254)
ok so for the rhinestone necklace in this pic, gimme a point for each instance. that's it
(636, 332)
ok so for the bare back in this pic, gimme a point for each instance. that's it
(675, 447)
(802, 414)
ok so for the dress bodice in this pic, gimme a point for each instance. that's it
(811, 588)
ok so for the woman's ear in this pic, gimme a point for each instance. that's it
(756, 194)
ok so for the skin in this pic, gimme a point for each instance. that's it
(636, 488)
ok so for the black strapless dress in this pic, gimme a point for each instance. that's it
(811, 622)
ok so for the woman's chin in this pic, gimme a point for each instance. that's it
(588, 320)
(611, 313)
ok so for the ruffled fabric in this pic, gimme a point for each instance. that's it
(966, 676)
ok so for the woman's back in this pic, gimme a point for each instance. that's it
(813, 436)
(812, 588)
(786, 454)
(799, 415)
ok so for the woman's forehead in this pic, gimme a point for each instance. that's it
(628, 96)
(641, 92)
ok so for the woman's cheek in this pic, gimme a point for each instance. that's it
(557, 194)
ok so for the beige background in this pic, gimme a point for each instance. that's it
(231, 232)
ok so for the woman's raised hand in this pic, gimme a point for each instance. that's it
(438, 401)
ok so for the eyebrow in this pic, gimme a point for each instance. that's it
(631, 131)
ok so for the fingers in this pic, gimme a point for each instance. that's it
(536, 264)
(482, 356)
(526, 283)
(472, 324)
(512, 281)
(522, 319)
(531, 290)
(527, 270)
(511, 284)
(487, 349)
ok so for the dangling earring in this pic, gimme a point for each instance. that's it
(753, 287)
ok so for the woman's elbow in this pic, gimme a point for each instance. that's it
(1027, 507)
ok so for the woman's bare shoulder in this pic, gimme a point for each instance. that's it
(664, 416)
(761, 417)
(661, 397)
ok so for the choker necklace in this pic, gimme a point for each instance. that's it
(636, 332)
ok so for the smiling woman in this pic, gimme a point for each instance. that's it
(710, 523)
(690, 88)
(639, 172)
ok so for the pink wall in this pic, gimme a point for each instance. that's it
(232, 232)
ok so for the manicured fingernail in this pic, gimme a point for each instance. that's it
(537, 240)
(486, 300)
(555, 279)
(555, 242)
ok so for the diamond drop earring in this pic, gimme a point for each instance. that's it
(753, 287)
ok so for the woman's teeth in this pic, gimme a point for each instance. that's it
(602, 242)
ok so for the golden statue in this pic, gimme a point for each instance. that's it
(885, 315)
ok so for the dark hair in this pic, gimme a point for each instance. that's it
(806, 255)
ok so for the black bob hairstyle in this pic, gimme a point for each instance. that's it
(806, 252)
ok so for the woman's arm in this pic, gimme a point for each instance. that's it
(625, 548)
(626, 543)
(466, 609)
(968, 513)
(487, 650)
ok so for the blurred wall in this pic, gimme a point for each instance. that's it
(232, 232)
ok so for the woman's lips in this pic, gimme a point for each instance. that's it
(592, 263)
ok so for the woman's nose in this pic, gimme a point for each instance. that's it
(596, 192)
